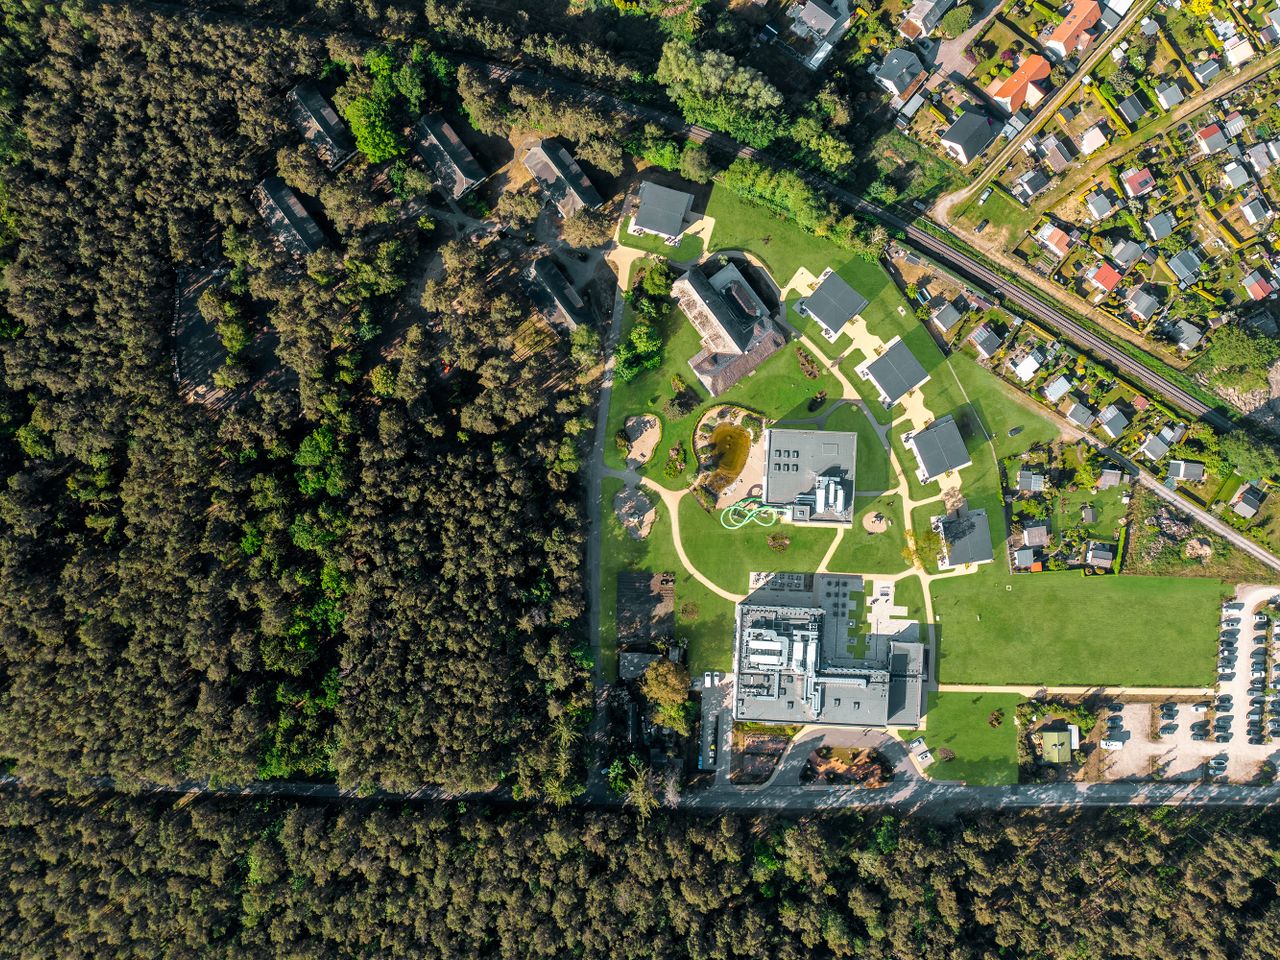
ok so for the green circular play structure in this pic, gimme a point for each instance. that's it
(749, 510)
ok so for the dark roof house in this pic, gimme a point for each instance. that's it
(286, 218)
(832, 304)
(452, 165)
(562, 178)
(895, 373)
(321, 126)
(660, 211)
(970, 134)
(939, 448)
(966, 538)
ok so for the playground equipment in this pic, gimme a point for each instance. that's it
(749, 510)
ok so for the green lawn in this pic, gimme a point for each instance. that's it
(984, 754)
(863, 552)
(870, 280)
(728, 556)
(873, 472)
(780, 244)
(908, 592)
(1002, 210)
(689, 248)
(703, 619)
(1065, 628)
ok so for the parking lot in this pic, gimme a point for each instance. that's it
(1226, 737)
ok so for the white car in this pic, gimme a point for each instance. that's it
(706, 680)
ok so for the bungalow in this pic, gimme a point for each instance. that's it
(660, 211)
(1169, 95)
(1212, 139)
(1022, 85)
(1187, 470)
(1109, 477)
(1137, 182)
(1035, 534)
(1053, 239)
(1088, 513)
(1132, 109)
(966, 538)
(944, 314)
(1029, 184)
(1113, 421)
(1057, 388)
(832, 304)
(1127, 253)
(939, 449)
(1185, 335)
(1157, 445)
(985, 341)
(1103, 276)
(1235, 175)
(561, 177)
(1072, 33)
(1058, 152)
(1161, 225)
(1233, 123)
(1081, 416)
(1248, 501)
(1100, 554)
(1101, 204)
(970, 134)
(923, 16)
(1255, 211)
(1026, 368)
(1142, 305)
(1238, 51)
(1185, 266)
(1030, 482)
(900, 73)
(895, 373)
(1206, 71)
(1093, 140)
(453, 167)
(1258, 286)
(1263, 156)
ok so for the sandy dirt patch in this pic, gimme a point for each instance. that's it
(804, 283)
(643, 433)
(875, 522)
(635, 511)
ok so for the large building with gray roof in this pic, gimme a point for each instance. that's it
(660, 211)
(966, 538)
(320, 124)
(562, 178)
(832, 304)
(794, 656)
(895, 373)
(939, 449)
(287, 219)
(452, 165)
(737, 330)
(810, 473)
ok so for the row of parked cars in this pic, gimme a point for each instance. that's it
(1261, 709)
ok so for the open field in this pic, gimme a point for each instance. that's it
(689, 247)
(874, 474)
(960, 722)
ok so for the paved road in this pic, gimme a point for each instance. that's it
(942, 250)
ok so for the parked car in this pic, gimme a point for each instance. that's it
(1222, 738)
(982, 226)
(1201, 707)
(1168, 730)
(706, 680)
(1231, 623)
(1260, 618)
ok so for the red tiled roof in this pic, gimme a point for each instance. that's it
(1105, 276)
(1070, 32)
(1013, 92)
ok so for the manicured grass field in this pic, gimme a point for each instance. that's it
(985, 755)
(1065, 628)
(863, 552)
(1004, 212)
(729, 556)
(874, 474)
(689, 247)
(703, 619)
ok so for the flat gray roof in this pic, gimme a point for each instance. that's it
(834, 303)
(896, 372)
(811, 468)
(661, 210)
(966, 538)
(939, 447)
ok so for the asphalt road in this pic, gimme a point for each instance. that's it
(957, 260)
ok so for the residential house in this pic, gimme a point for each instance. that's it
(1036, 534)
(1052, 238)
(894, 373)
(1057, 388)
(1238, 51)
(1258, 286)
(1142, 305)
(1161, 225)
(453, 167)
(1248, 501)
(1185, 266)
(814, 19)
(1269, 35)
(1233, 123)
(1137, 182)
(1021, 87)
(1273, 18)
(1025, 557)
(1026, 368)
(901, 73)
(1029, 184)
(1206, 71)
(1132, 109)
(1211, 139)
(970, 134)
(1073, 33)
(1185, 335)
(1103, 276)
(1187, 470)
(1088, 513)
(1157, 445)
(1263, 156)
(320, 124)
(1100, 554)
(286, 218)
(923, 16)
(557, 286)
(939, 449)
(1081, 415)
(1093, 140)
(737, 331)
(1058, 152)
(985, 341)
(1235, 175)
(1169, 95)
(944, 314)
(660, 211)
(1109, 477)
(1255, 211)
(1101, 203)
(1113, 421)
(1127, 253)
(1029, 481)
(832, 304)
(561, 177)
(966, 538)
